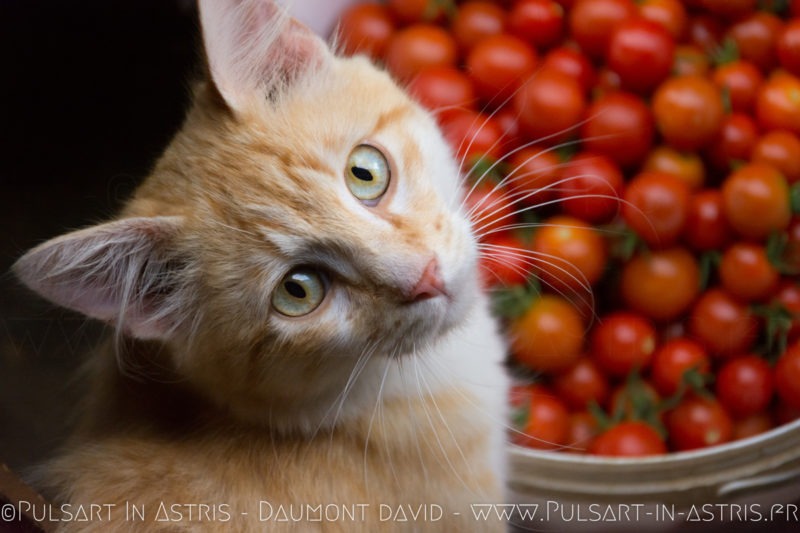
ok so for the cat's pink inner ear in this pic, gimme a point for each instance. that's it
(252, 45)
(118, 272)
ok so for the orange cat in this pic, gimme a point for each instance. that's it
(301, 339)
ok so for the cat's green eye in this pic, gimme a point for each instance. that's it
(299, 292)
(367, 173)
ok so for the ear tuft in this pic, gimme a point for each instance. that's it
(253, 46)
(121, 272)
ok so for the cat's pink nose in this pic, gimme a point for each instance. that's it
(430, 284)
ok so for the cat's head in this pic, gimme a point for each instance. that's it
(307, 209)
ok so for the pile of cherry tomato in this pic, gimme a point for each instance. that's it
(635, 172)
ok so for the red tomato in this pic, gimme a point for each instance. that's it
(418, 47)
(549, 336)
(690, 60)
(781, 149)
(746, 272)
(745, 385)
(722, 324)
(670, 14)
(622, 342)
(471, 134)
(734, 142)
(705, 31)
(581, 384)
(742, 80)
(685, 165)
(540, 22)
(549, 105)
(572, 63)
(656, 207)
(688, 111)
(788, 296)
(592, 21)
(442, 89)
(641, 52)
(788, 46)
(673, 359)
(778, 103)
(590, 188)
(504, 260)
(533, 175)
(752, 425)
(698, 423)
(707, 227)
(619, 125)
(787, 376)
(547, 427)
(661, 284)
(755, 36)
(571, 254)
(409, 11)
(756, 200)
(582, 430)
(629, 439)
(490, 209)
(366, 28)
(476, 20)
(498, 65)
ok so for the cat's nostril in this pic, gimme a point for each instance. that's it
(430, 284)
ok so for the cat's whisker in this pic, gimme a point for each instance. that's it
(371, 422)
(415, 433)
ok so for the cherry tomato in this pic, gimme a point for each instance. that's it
(752, 425)
(673, 359)
(705, 31)
(788, 47)
(476, 20)
(540, 22)
(490, 209)
(504, 261)
(778, 103)
(684, 165)
(688, 111)
(498, 65)
(746, 272)
(690, 60)
(787, 376)
(734, 142)
(418, 47)
(471, 134)
(366, 28)
(629, 439)
(722, 324)
(571, 254)
(788, 296)
(581, 384)
(410, 11)
(656, 207)
(698, 423)
(590, 188)
(549, 105)
(534, 174)
(582, 430)
(781, 149)
(547, 423)
(756, 200)
(661, 284)
(641, 52)
(442, 89)
(670, 14)
(572, 63)
(707, 228)
(741, 80)
(745, 385)
(549, 336)
(592, 21)
(622, 342)
(755, 36)
(619, 125)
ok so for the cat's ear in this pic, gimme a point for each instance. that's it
(252, 45)
(121, 272)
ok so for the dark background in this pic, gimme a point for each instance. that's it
(90, 93)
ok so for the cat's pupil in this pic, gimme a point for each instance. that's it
(361, 173)
(295, 289)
